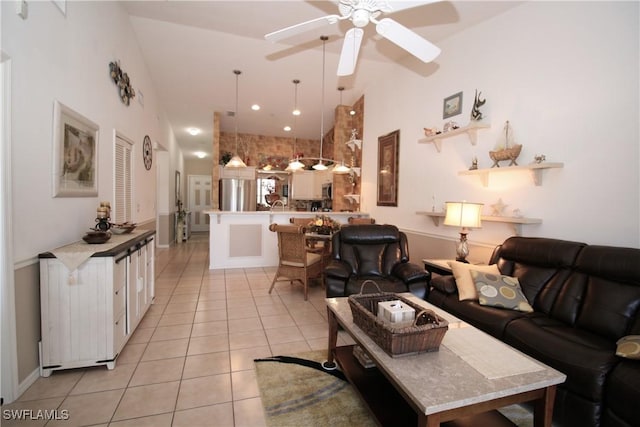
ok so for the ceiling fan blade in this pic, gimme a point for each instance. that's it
(350, 49)
(391, 6)
(301, 28)
(407, 39)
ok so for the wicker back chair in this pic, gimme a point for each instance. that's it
(353, 220)
(300, 221)
(296, 262)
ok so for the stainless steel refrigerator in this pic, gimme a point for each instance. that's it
(238, 195)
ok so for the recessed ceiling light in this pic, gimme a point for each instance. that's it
(287, 128)
(200, 154)
(194, 131)
(255, 107)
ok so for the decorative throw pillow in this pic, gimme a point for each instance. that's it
(496, 290)
(464, 282)
(629, 347)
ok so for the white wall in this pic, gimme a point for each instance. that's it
(67, 58)
(566, 75)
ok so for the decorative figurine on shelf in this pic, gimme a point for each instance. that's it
(474, 164)
(539, 158)
(476, 115)
(509, 152)
(103, 217)
(431, 131)
(449, 126)
(497, 209)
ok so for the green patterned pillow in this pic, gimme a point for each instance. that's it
(496, 290)
(629, 347)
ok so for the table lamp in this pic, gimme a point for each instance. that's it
(466, 215)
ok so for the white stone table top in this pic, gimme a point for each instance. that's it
(453, 377)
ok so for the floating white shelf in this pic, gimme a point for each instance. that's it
(353, 198)
(515, 222)
(353, 143)
(535, 168)
(471, 130)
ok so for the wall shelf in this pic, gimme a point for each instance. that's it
(471, 130)
(535, 169)
(515, 222)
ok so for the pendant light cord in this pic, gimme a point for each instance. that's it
(324, 41)
(237, 73)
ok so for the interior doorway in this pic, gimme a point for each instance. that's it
(199, 200)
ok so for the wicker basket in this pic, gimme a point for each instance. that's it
(423, 335)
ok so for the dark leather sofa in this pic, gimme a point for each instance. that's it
(585, 298)
(376, 252)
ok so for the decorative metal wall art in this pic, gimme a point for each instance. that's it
(476, 115)
(121, 79)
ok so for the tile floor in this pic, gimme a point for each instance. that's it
(190, 362)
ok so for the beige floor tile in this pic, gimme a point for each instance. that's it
(212, 293)
(90, 408)
(242, 312)
(201, 365)
(249, 413)
(58, 384)
(272, 309)
(219, 327)
(283, 335)
(182, 298)
(141, 335)
(318, 344)
(220, 415)
(244, 385)
(131, 353)
(156, 309)
(314, 330)
(163, 420)
(173, 332)
(180, 307)
(241, 360)
(176, 319)
(290, 348)
(308, 318)
(208, 344)
(210, 316)
(149, 321)
(240, 302)
(165, 349)
(147, 400)
(158, 371)
(204, 391)
(102, 379)
(14, 418)
(204, 305)
(244, 325)
(277, 321)
(239, 340)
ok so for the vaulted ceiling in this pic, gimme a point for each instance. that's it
(192, 47)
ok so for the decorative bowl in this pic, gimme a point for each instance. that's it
(96, 237)
(123, 228)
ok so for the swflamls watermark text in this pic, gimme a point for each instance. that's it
(35, 414)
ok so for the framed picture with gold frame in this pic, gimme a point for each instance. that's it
(388, 161)
(75, 153)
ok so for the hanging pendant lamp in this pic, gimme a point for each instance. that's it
(236, 161)
(295, 164)
(320, 166)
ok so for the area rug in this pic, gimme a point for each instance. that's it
(295, 393)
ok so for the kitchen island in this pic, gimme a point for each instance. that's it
(243, 239)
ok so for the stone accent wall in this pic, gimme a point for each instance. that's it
(348, 183)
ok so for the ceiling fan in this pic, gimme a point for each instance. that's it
(360, 13)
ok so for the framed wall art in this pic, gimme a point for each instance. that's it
(75, 153)
(388, 146)
(452, 106)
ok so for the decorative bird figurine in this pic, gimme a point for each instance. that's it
(477, 103)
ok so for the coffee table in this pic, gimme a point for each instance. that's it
(471, 375)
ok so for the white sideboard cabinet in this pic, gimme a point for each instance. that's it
(88, 314)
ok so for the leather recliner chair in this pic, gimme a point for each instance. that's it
(372, 252)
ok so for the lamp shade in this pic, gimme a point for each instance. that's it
(463, 214)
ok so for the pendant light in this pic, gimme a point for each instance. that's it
(295, 164)
(320, 166)
(236, 161)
